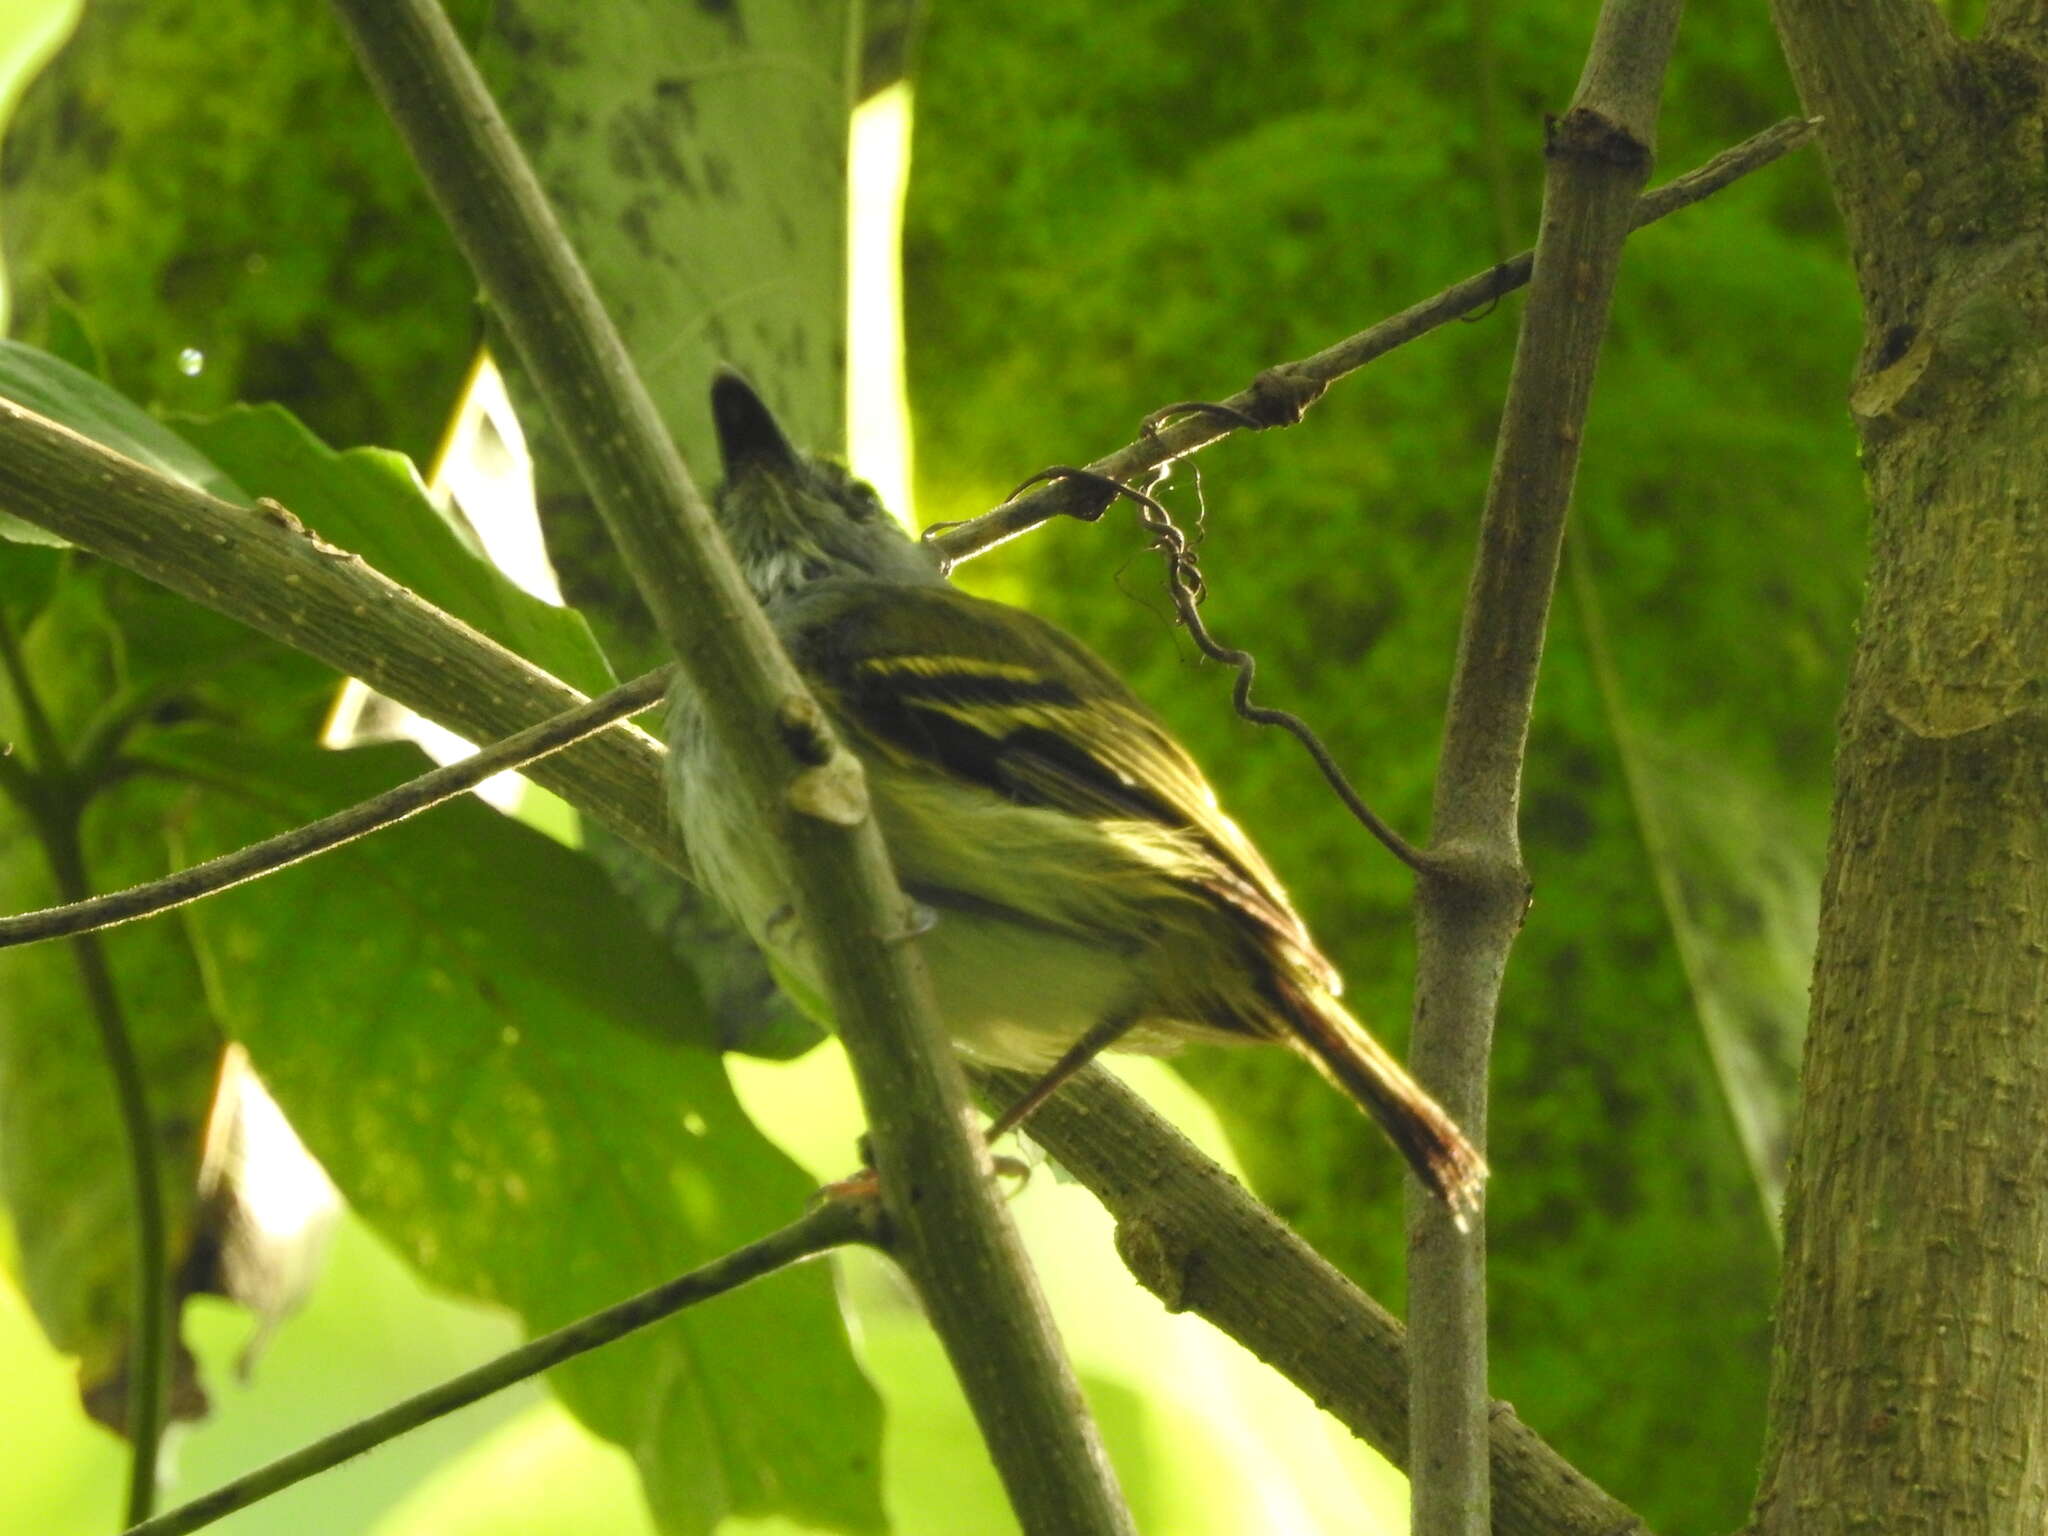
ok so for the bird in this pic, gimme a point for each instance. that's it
(1078, 884)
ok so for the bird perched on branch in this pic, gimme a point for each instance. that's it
(1083, 886)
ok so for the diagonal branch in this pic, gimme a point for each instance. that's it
(1902, 94)
(957, 1243)
(1301, 382)
(262, 566)
(831, 1224)
(329, 832)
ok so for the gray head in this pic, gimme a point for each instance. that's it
(792, 519)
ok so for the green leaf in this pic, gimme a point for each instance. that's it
(371, 502)
(64, 1164)
(700, 167)
(1737, 867)
(698, 163)
(54, 388)
(509, 1080)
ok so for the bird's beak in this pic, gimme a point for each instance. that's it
(750, 439)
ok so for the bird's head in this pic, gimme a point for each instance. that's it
(792, 519)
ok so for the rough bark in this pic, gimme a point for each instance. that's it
(1910, 1387)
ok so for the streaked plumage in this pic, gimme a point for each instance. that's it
(1075, 859)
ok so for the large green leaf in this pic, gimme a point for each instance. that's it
(469, 1029)
(107, 657)
(372, 503)
(1736, 863)
(697, 158)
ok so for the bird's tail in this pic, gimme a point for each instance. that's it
(1448, 1164)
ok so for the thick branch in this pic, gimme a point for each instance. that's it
(1470, 897)
(1309, 376)
(957, 1243)
(1884, 75)
(261, 565)
(1197, 1240)
(832, 1224)
(1912, 1325)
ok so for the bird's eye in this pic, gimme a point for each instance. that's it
(862, 504)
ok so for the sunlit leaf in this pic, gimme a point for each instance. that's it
(372, 503)
(512, 1083)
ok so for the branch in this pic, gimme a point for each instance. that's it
(831, 1224)
(1473, 890)
(958, 1244)
(264, 567)
(1303, 381)
(288, 848)
(1198, 1241)
(149, 1351)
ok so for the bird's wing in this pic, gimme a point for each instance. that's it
(999, 698)
(1002, 700)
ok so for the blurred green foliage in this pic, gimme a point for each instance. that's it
(206, 198)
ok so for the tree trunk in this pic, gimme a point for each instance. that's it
(1911, 1371)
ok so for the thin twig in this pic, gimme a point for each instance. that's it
(288, 848)
(830, 1224)
(150, 1344)
(1184, 583)
(1278, 396)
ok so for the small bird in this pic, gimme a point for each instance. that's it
(1083, 887)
